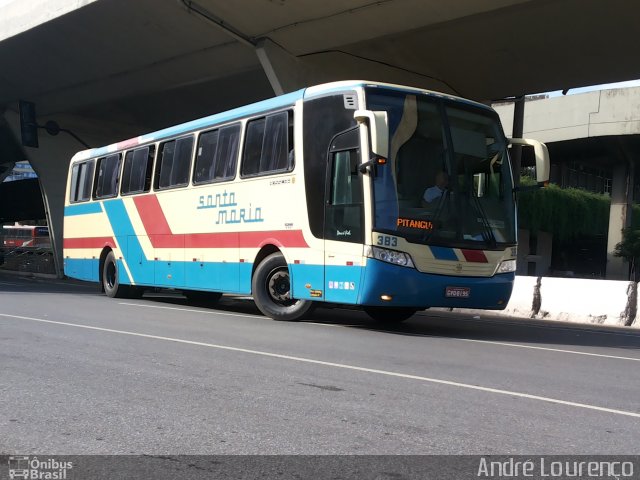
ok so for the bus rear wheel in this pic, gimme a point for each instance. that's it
(390, 314)
(110, 281)
(271, 288)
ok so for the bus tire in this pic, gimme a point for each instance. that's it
(271, 289)
(390, 314)
(110, 280)
(210, 298)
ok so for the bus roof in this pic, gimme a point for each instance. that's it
(274, 103)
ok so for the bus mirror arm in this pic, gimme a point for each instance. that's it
(378, 124)
(543, 165)
(374, 161)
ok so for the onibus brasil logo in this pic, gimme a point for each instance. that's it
(24, 467)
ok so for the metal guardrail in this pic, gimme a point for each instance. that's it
(27, 259)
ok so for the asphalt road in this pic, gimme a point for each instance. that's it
(84, 374)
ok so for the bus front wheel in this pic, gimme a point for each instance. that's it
(271, 288)
(390, 314)
(110, 281)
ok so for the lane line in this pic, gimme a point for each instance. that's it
(324, 324)
(550, 324)
(548, 349)
(193, 310)
(339, 365)
(490, 342)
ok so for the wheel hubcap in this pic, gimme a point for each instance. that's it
(279, 287)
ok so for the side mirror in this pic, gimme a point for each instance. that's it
(543, 165)
(378, 130)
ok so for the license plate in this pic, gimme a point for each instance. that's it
(457, 292)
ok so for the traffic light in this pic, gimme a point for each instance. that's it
(28, 124)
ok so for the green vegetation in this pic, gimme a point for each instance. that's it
(567, 213)
(629, 248)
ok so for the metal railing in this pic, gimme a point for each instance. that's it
(27, 259)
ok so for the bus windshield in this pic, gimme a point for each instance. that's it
(448, 177)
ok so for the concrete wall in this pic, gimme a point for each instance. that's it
(19, 15)
(602, 302)
(614, 112)
(541, 257)
(593, 114)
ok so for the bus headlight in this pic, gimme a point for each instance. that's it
(391, 256)
(507, 266)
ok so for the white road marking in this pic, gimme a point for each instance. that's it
(193, 310)
(547, 349)
(324, 324)
(490, 342)
(339, 365)
(549, 325)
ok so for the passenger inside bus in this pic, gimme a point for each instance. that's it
(418, 162)
(434, 193)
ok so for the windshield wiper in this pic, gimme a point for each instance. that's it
(444, 198)
(488, 235)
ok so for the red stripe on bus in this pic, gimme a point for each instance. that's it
(476, 256)
(91, 242)
(132, 142)
(160, 235)
(280, 238)
(152, 216)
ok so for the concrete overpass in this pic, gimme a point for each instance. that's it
(600, 129)
(112, 69)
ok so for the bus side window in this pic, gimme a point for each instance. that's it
(174, 163)
(81, 181)
(217, 155)
(227, 153)
(107, 177)
(268, 145)
(136, 174)
(206, 157)
(253, 147)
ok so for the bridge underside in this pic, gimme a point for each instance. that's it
(114, 69)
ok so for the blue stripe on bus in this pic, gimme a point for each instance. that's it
(215, 276)
(82, 268)
(82, 209)
(343, 283)
(306, 278)
(130, 248)
(443, 253)
(211, 276)
(407, 287)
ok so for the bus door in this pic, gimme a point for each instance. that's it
(343, 219)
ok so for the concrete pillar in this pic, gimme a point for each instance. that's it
(51, 162)
(517, 131)
(619, 218)
(285, 72)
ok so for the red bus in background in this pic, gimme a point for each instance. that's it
(25, 236)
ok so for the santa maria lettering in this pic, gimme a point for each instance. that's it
(228, 210)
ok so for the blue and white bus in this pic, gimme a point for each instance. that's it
(382, 196)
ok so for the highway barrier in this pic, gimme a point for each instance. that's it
(602, 302)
